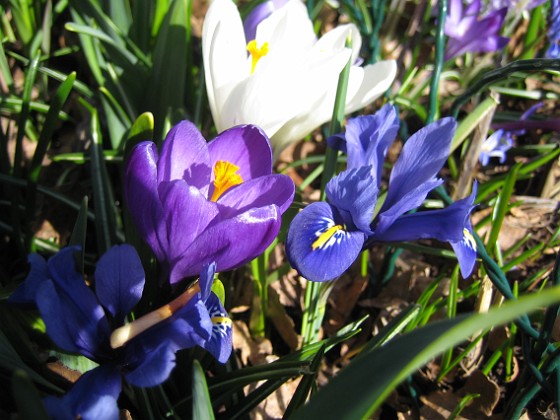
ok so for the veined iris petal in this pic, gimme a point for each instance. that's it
(327, 237)
(319, 246)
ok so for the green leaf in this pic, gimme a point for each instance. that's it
(367, 381)
(166, 91)
(78, 237)
(472, 120)
(10, 360)
(202, 406)
(219, 290)
(51, 121)
(142, 129)
(28, 400)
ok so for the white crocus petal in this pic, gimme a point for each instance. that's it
(375, 80)
(289, 90)
(224, 53)
(364, 86)
(287, 29)
(336, 38)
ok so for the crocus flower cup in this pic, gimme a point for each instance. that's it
(197, 202)
(325, 238)
(287, 82)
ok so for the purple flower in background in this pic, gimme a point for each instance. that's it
(468, 32)
(554, 30)
(495, 145)
(81, 321)
(325, 238)
(199, 202)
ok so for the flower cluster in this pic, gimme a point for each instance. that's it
(197, 202)
(326, 237)
(287, 83)
(93, 324)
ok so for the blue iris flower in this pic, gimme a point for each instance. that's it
(93, 324)
(325, 238)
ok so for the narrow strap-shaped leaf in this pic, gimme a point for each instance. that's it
(306, 384)
(78, 237)
(492, 76)
(362, 387)
(27, 398)
(202, 406)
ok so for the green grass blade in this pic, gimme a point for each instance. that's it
(78, 237)
(202, 406)
(28, 400)
(363, 386)
(166, 91)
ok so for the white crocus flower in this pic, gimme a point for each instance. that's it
(284, 80)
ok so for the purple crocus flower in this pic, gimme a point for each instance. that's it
(468, 32)
(198, 202)
(81, 321)
(326, 237)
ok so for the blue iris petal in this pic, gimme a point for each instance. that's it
(318, 244)
(354, 191)
(221, 340)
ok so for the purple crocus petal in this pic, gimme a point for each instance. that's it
(465, 250)
(445, 225)
(258, 14)
(154, 368)
(355, 191)
(230, 243)
(187, 212)
(119, 281)
(220, 343)
(94, 396)
(184, 155)
(26, 291)
(74, 319)
(247, 147)
(314, 246)
(261, 192)
(140, 188)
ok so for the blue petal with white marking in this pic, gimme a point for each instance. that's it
(319, 245)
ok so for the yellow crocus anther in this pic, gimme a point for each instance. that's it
(225, 177)
(325, 236)
(256, 53)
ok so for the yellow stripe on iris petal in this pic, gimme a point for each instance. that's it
(325, 237)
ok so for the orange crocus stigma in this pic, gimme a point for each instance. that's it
(225, 177)
(256, 53)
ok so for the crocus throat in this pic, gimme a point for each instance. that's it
(325, 237)
(225, 177)
(256, 53)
